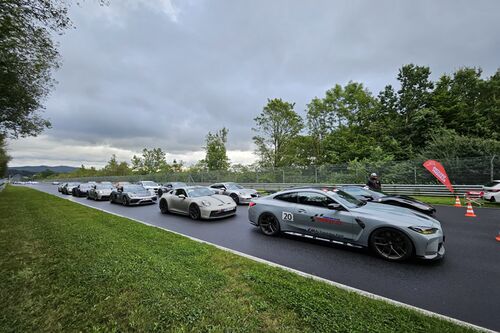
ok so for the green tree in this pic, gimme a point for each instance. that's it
(4, 158)
(215, 150)
(151, 161)
(276, 127)
(177, 166)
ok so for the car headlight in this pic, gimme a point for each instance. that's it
(206, 203)
(424, 230)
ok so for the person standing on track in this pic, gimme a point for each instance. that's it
(374, 183)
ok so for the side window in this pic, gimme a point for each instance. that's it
(180, 191)
(314, 199)
(288, 197)
(214, 186)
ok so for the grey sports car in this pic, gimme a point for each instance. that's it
(198, 202)
(132, 194)
(393, 233)
(238, 193)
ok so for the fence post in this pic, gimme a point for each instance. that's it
(316, 174)
(415, 174)
(491, 168)
(283, 175)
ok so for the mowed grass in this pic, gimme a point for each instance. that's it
(451, 201)
(66, 267)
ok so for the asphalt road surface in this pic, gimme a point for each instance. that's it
(464, 285)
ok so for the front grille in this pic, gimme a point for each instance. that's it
(219, 213)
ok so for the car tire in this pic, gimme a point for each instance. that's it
(194, 212)
(269, 224)
(125, 201)
(391, 244)
(492, 199)
(160, 193)
(235, 198)
(164, 207)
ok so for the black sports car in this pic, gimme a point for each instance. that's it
(366, 194)
(82, 190)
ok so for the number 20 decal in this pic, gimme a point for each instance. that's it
(286, 216)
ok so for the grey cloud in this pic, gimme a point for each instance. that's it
(134, 76)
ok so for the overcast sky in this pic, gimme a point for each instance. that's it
(159, 73)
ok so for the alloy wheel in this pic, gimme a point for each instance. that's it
(269, 225)
(391, 244)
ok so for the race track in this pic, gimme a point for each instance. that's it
(465, 285)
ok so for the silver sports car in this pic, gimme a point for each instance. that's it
(393, 233)
(238, 193)
(100, 191)
(197, 202)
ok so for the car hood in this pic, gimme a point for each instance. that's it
(245, 191)
(407, 200)
(216, 200)
(394, 214)
(140, 193)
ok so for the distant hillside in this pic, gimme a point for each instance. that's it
(31, 170)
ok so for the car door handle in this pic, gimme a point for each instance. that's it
(301, 210)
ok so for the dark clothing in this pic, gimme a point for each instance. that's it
(374, 184)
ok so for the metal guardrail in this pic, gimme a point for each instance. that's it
(401, 189)
(3, 182)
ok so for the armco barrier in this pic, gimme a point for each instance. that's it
(402, 189)
(3, 182)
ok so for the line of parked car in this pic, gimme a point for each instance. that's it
(394, 227)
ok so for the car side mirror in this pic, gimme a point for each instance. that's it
(334, 206)
(182, 196)
(120, 189)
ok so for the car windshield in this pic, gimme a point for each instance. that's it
(86, 186)
(133, 188)
(347, 199)
(232, 186)
(492, 184)
(149, 183)
(199, 192)
(103, 187)
(361, 191)
(73, 184)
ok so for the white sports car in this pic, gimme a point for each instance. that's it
(197, 202)
(492, 191)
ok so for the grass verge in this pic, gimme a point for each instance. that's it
(66, 267)
(447, 201)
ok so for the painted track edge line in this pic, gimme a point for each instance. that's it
(295, 271)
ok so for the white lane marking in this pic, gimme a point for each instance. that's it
(295, 271)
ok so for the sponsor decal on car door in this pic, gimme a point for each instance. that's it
(313, 215)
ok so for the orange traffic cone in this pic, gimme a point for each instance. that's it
(498, 237)
(457, 202)
(470, 211)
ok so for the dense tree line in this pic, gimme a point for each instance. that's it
(456, 116)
